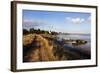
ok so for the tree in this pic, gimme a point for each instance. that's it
(32, 30)
(54, 33)
(25, 31)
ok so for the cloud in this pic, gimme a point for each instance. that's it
(76, 20)
(29, 23)
(34, 22)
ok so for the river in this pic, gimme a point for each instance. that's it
(86, 37)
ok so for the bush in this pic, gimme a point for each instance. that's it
(25, 31)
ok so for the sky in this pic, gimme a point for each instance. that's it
(66, 22)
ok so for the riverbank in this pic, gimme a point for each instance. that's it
(46, 47)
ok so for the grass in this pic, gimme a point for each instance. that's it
(45, 47)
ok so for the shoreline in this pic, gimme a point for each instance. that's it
(58, 50)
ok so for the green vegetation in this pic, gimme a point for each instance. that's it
(38, 31)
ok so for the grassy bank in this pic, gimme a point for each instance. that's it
(45, 47)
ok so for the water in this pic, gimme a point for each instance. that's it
(85, 47)
(75, 36)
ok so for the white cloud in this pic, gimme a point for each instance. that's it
(76, 20)
(31, 23)
(68, 18)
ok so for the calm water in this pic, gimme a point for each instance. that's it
(86, 47)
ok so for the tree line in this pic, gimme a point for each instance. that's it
(38, 31)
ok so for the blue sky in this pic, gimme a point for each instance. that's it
(67, 22)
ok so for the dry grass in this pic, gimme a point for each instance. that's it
(27, 39)
(42, 47)
(42, 53)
